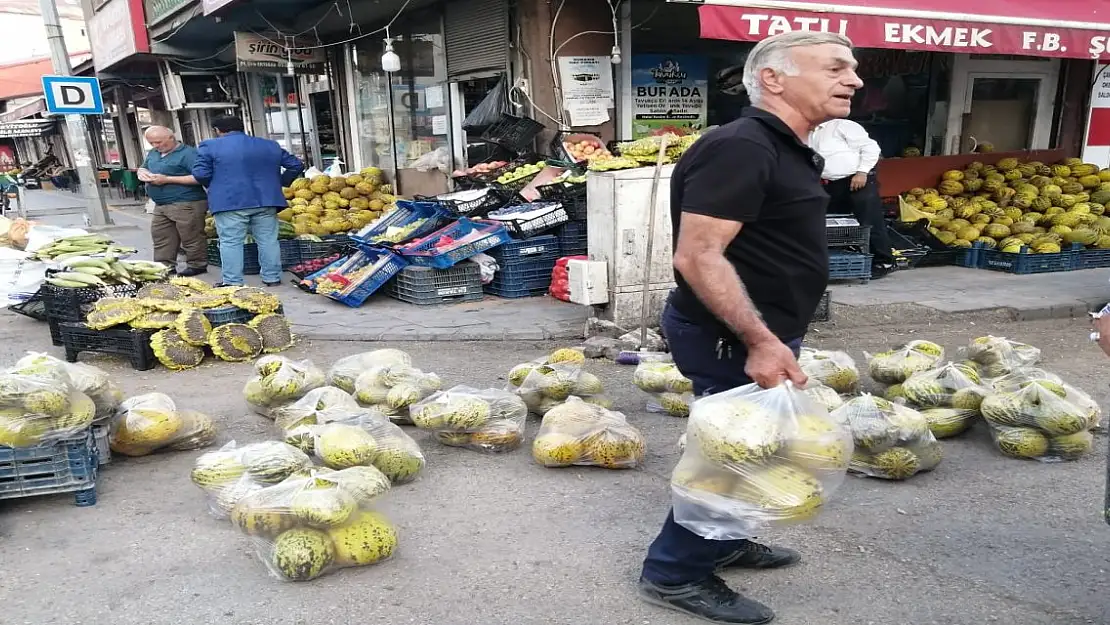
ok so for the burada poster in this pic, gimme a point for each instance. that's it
(668, 93)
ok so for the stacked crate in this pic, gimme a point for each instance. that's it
(572, 235)
(524, 266)
(849, 249)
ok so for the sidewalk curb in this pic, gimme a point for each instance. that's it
(440, 336)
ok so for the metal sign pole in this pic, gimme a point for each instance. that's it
(76, 132)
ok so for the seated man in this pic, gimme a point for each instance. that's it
(850, 157)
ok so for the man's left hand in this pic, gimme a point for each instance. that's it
(858, 182)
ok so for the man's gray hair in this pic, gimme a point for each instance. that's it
(774, 53)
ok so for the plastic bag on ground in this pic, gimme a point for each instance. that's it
(952, 385)
(306, 410)
(346, 438)
(392, 389)
(547, 382)
(345, 370)
(1021, 378)
(233, 471)
(303, 528)
(489, 420)
(999, 356)
(827, 397)
(146, 423)
(671, 392)
(92, 381)
(755, 458)
(1038, 422)
(895, 366)
(892, 441)
(582, 434)
(41, 406)
(833, 369)
(280, 381)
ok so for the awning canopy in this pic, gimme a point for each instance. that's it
(1045, 28)
(27, 128)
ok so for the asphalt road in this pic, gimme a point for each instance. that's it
(499, 540)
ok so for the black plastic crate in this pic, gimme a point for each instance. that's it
(55, 333)
(535, 247)
(468, 203)
(130, 342)
(426, 286)
(516, 134)
(251, 267)
(572, 197)
(847, 233)
(290, 252)
(222, 315)
(823, 312)
(311, 250)
(551, 215)
(64, 466)
(572, 239)
(72, 304)
(33, 307)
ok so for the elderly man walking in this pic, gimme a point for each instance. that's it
(180, 204)
(751, 263)
(244, 176)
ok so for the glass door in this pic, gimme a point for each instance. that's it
(1006, 110)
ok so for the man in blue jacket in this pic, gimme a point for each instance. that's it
(244, 176)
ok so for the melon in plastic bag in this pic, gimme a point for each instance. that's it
(279, 381)
(303, 528)
(490, 420)
(345, 370)
(39, 405)
(149, 422)
(306, 410)
(755, 458)
(895, 366)
(833, 369)
(952, 385)
(91, 381)
(578, 433)
(1021, 378)
(1038, 422)
(999, 356)
(345, 438)
(392, 389)
(544, 385)
(671, 392)
(892, 441)
(823, 395)
(234, 471)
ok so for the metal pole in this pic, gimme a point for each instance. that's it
(77, 133)
(284, 114)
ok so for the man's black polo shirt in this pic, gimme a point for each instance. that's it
(756, 171)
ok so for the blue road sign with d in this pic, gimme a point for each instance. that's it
(73, 95)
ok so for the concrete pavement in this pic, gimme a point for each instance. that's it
(498, 540)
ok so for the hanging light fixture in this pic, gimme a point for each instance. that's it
(390, 61)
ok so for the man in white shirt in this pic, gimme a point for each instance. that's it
(850, 157)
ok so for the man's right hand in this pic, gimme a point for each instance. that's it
(770, 363)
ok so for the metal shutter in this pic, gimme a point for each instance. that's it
(476, 36)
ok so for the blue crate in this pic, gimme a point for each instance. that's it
(573, 240)
(536, 247)
(847, 266)
(356, 294)
(231, 314)
(522, 278)
(406, 212)
(1093, 259)
(422, 252)
(64, 466)
(1024, 263)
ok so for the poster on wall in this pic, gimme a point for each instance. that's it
(668, 93)
(587, 85)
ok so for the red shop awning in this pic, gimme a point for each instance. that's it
(1046, 28)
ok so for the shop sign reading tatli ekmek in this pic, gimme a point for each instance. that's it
(870, 31)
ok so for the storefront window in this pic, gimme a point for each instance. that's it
(417, 95)
(283, 123)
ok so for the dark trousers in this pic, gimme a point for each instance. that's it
(867, 207)
(679, 556)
